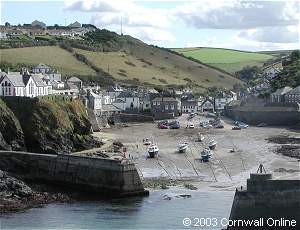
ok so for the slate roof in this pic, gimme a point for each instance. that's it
(42, 66)
(282, 91)
(110, 108)
(74, 79)
(38, 81)
(119, 101)
(95, 95)
(16, 80)
(295, 90)
(126, 94)
(164, 99)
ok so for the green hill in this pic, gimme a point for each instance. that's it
(122, 58)
(53, 56)
(226, 59)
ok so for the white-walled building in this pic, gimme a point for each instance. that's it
(95, 101)
(22, 85)
(223, 99)
(41, 68)
(131, 99)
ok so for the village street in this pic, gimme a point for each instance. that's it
(226, 169)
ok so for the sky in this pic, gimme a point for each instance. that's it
(252, 25)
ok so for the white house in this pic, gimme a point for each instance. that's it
(58, 84)
(22, 85)
(207, 105)
(41, 68)
(223, 99)
(114, 91)
(120, 104)
(131, 99)
(106, 99)
(95, 101)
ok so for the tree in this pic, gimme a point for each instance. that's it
(248, 73)
(295, 55)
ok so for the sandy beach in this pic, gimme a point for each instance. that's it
(225, 171)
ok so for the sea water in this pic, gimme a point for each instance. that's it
(157, 211)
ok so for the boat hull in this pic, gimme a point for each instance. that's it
(152, 154)
(182, 150)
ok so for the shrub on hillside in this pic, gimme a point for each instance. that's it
(130, 63)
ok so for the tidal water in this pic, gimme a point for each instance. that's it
(153, 212)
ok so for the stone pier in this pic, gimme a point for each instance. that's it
(100, 176)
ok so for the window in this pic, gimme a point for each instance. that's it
(166, 107)
(172, 107)
(158, 103)
(154, 102)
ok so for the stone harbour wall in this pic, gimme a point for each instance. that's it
(95, 175)
(267, 199)
(268, 115)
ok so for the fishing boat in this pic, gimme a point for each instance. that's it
(200, 137)
(212, 144)
(182, 147)
(153, 150)
(205, 155)
(146, 141)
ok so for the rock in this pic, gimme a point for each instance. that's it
(13, 186)
(11, 134)
(190, 186)
(47, 125)
(16, 195)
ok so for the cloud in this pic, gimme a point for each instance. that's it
(144, 23)
(272, 34)
(254, 25)
(238, 14)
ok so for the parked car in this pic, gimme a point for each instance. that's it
(175, 125)
(219, 126)
(236, 128)
(207, 126)
(242, 125)
(163, 126)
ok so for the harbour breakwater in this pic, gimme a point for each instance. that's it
(271, 115)
(266, 203)
(96, 176)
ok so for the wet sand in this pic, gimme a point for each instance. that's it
(225, 171)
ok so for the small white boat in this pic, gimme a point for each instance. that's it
(182, 147)
(212, 144)
(200, 137)
(205, 155)
(191, 125)
(146, 141)
(153, 150)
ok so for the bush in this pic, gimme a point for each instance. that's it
(163, 81)
(130, 63)
(66, 46)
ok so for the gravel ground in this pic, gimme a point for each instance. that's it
(225, 171)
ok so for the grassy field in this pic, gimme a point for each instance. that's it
(138, 62)
(228, 60)
(50, 55)
(157, 67)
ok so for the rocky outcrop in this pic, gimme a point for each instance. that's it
(15, 195)
(11, 134)
(48, 125)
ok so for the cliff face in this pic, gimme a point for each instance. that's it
(11, 134)
(52, 125)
